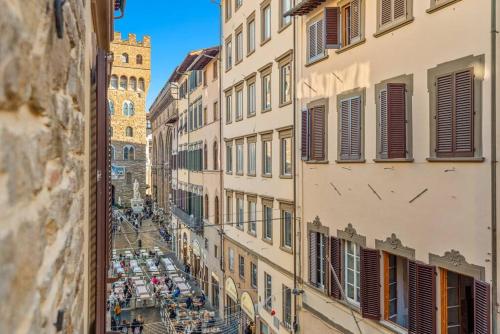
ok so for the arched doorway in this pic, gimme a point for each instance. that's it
(231, 309)
(247, 311)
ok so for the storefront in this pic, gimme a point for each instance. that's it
(231, 309)
(247, 312)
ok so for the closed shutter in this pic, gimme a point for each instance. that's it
(444, 115)
(336, 261)
(313, 243)
(399, 9)
(385, 12)
(383, 124)
(464, 114)
(332, 28)
(318, 133)
(312, 41)
(370, 283)
(396, 120)
(481, 307)
(344, 130)
(355, 20)
(320, 46)
(422, 309)
(355, 132)
(304, 143)
(412, 297)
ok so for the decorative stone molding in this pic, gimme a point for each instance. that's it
(316, 226)
(394, 246)
(454, 261)
(350, 234)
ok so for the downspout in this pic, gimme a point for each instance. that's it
(494, 268)
(294, 159)
(221, 193)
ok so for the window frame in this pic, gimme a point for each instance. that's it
(251, 97)
(264, 38)
(285, 136)
(267, 230)
(283, 96)
(229, 157)
(252, 158)
(229, 207)
(239, 103)
(268, 292)
(317, 21)
(239, 48)
(240, 157)
(252, 221)
(351, 94)
(240, 211)
(251, 40)
(356, 270)
(229, 106)
(284, 209)
(394, 24)
(265, 172)
(285, 21)
(228, 48)
(266, 91)
(253, 275)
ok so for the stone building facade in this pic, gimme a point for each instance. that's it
(46, 106)
(127, 92)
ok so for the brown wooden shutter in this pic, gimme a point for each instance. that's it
(332, 28)
(444, 115)
(344, 130)
(422, 298)
(396, 120)
(336, 261)
(399, 9)
(481, 307)
(305, 134)
(318, 133)
(383, 124)
(313, 243)
(370, 283)
(464, 113)
(355, 20)
(355, 125)
(385, 12)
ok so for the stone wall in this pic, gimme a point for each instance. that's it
(43, 89)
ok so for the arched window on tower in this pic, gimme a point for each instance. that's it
(123, 82)
(128, 153)
(111, 107)
(133, 83)
(125, 58)
(138, 59)
(141, 84)
(128, 108)
(129, 132)
(113, 83)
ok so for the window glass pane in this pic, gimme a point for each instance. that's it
(286, 6)
(267, 158)
(267, 22)
(251, 158)
(285, 83)
(251, 99)
(251, 36)
(266, 92)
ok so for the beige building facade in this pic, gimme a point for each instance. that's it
(395, 112)
(129, 84)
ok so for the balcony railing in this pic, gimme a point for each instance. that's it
(194, 223)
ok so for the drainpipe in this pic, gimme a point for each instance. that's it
(294, 159)
(494, 33)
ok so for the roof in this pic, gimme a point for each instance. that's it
(304, 7)
(204, 58)
(179, 70)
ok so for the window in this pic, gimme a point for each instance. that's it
(239, 158)
(111, 107)
(253, 274)
(241, 266)
(252, 155)
(286, 157)
(129, 132)
(239, 47)
(350, 129)
(206, 207)
(252, 216)
(229, 54)
(205, 115)
(318, 266)
(229, 209)
(316, 48)
(240, 216)
(251, 99)
(216, 205)
(264, 328)
(128, 108)
(267, 222)
(352, 30)
(128, 153)
(352, 272)
(215, 69)
(229, 111)
(287, 307)
(216, 251)
(205, 157)
(285, 6)
(216, 111)
(229, 158)
(238, 3)
(266, 23)
(216, 156)
(391, 13)
(267, 160)
(396, 289)
(239, 104)
(285, 84)
(114, 82)
(138, 59)
(205, 78)
(133, 84)
(251, 37)
(266, 92)
(228, 11)
(286, 228)
(141, 85)
(123, 82)
(125, 58)
(231, 259)
(268, 293)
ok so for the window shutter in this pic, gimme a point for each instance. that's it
(318, 134)
(344, 130)
(355, 20)
(336, 261)
(383, 124)
(305, 133)
(444, 115)
(332, 28)
(313, 45)
(355, 132)
(396, 120)
(422, 298)
(399, 9)
(370, 283)
(464, 114)
(320, 40)
(481, 307)
(385, 11)
(313, 241)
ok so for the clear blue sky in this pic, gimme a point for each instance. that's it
(176, 27)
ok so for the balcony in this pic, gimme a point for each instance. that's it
(193, 223)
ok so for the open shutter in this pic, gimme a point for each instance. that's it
(313, 243)
(313, 42)
(344, 130)
(464, 114)
(332, 28)
(318, 133)
(370, 283)
(481, 307)
(386, 12)
(425, 299)
(396, 120)
(412, 297)
(399, 9)
(383, 124)
(355, 21)
(305, 133)
(355, 132)
(335, 259)
(444, 115)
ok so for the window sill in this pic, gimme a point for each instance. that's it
(284, 104)
(229, 173)
(393, 160)
(266, 110)
(283, 27)
(317, 162)
(251, 115)
(238, 61)
(239, 174)
(239, 119)
(228, 69)
(436, 7)
(253, 234)
(286, 249)
(268, 176)
(263, 42)
(451, 159)
(252, 175)
(350, 46)
(317, 60)
(250, 53)
(268, 241)
(286, 177)
(386, 30)
(350, 161)
(393, 327)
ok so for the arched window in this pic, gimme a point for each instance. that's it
(128, 108)
(125, 58)
(133, 83)
(111, 107)
(216, 158)
(113, 83)
(216, 203)
(128, 153)
(138, 60)
(141, 84)
(129, 132)
(123, 82)
(205, 157)
(112, 152)
(206, 206)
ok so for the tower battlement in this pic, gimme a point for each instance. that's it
(132, 40)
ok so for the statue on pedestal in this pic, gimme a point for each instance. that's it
(137, 202)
